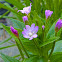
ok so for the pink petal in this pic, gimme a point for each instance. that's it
(31, 38)
(35, 29)
(27, 27)
(35, 36)
(22, 11)
(26, 36)
(32, 26)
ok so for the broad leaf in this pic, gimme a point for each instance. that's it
(51, 31)
(58, 46)
(50, 40)
(56, 57)
(31, 47)
(18, 24)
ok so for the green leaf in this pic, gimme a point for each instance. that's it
(58, 46)
(56, 8)
(31, 47)
(19, 5)
(59, 33)
(56, 57)
(27, 2)
(8, 58)
(5, 40)
(18, 24)
(51, 31)
(10, 9)
(37, 6)
(50, 40)
(1, 16)
(1, 25)
(35, 59)
(7, 17)
(5, 7)
(17, 56)
(32, 59)
(7, 46)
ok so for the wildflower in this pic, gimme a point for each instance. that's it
(43, 27)
(48, 13)
(15, 32)
(30, 32)
(58, 25)
(25, 18)
(26, 10)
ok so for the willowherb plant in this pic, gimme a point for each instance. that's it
(37, 30)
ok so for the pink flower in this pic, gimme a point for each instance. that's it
(15, 32)
(26, 10)
(48, 13)
(58, 25)
(43, 27)
(30, 32)
(25, 18)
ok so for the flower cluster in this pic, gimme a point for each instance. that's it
(31, 32)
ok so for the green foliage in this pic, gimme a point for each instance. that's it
(50, 40)
(58, 46)
(56, 57)
(1, 25)
(7, 46)
(19, 5)
(5, 41)
(17, 24)
(51, 31)
(38, 50)
(35, 59)
(8, 58)
(31, 47)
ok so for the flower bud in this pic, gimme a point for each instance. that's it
(58, 25)
(25, 18)
(48, 13)
(15, 32)
(43, 27)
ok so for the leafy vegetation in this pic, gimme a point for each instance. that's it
(47, 46)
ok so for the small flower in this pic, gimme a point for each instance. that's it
(58, 25)
(30, 32)
(26, 10)
(15, 32)
(48, 13)
(25, 18)
(43, 27)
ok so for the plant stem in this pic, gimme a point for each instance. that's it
(23, 48)
(18, 0)
(20, 51)
(36, 47)
(53, 46)
(52, 49)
